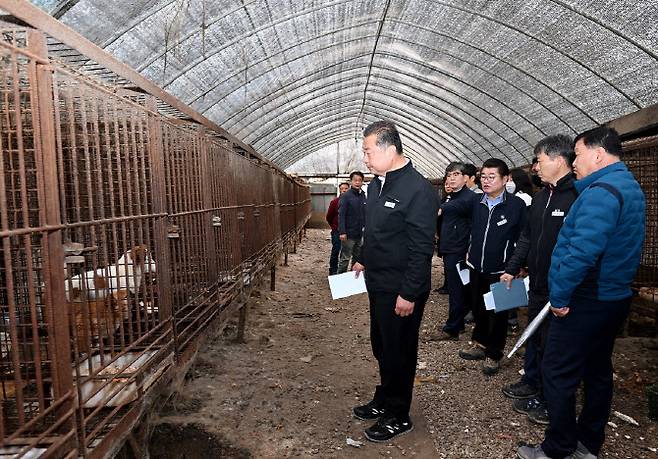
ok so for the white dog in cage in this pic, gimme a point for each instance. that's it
(126, 274)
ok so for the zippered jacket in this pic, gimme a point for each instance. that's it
(495, 232)
(398, 242)
(599, 246)
(455, 229)
(537, 240)
(351, 213)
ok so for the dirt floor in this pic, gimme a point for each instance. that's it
(288, 390)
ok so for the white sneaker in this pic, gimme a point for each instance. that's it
(581, 453)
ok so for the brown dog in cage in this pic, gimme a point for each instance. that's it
(99, 300)
(97, 319)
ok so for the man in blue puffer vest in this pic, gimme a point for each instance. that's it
(592, 268)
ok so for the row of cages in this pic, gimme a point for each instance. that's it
(641, 157)
(124, 233)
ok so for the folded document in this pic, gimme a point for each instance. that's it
(501, 298)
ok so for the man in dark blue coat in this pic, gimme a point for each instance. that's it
(497, 220)
(397, 261)
(592, 267)
(455, 231)
(351, 218)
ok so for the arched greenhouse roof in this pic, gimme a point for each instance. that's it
(463, 80)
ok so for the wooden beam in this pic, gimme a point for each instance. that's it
(637, 121)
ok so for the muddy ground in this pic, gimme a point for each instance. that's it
(288, 390)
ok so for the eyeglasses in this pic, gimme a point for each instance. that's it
(488, 178)
(455, 174)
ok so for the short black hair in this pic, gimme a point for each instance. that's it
(602, 136)
(470, 170)
(359, 173)
(387, 134)
(556, 145)
(499, 164)
(455, 166)
(344, 183)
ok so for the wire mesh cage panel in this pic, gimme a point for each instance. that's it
(105, 177)
(641, 156)
(223, 202)
(35, 408)
(190, 230)
(124, 234)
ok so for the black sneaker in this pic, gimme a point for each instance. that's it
(520, 390)
(539, 415)
(387, 428)
(369, 411)
(526, 405)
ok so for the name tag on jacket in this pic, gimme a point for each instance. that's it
(389, 204)
(557, 213)
(502, 222)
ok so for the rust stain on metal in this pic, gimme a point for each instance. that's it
(125, 234)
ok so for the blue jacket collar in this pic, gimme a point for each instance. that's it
(594, 176)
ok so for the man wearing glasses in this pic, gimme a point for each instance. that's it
(497, 221)
(455, 231)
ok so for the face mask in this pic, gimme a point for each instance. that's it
(536, 181)
(510, 187)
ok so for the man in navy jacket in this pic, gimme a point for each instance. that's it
(497, 220)
(332, 219)
(351, 218)
(455, 230)
(397, 261)
(593, 265)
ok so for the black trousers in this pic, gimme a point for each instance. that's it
(394, 341)
(534, 349)
(490, 327)
(456, 300)
(579, 348)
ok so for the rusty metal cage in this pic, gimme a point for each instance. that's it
(641, 157)
(125, 232)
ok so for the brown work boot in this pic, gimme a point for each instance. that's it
(442, 336)
(475, 352)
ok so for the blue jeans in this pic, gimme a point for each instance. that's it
(335, 250)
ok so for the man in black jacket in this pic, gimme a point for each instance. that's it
(396, 260)
(351, 218)
(549, 207)
(455, 231)
(497, 220)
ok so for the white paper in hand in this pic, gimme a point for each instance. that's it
(344, 285)
(464, 274)
(489, 303)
